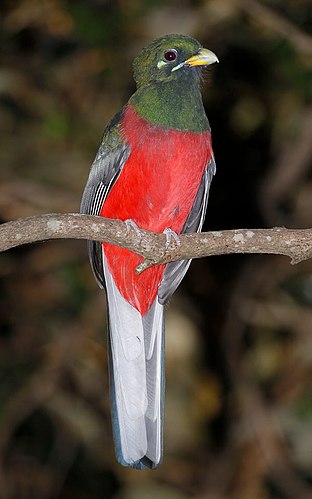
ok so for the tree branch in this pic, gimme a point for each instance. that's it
(295, 243)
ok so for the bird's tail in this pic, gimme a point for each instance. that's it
(136, 366)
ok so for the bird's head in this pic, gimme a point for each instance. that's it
(169, 58)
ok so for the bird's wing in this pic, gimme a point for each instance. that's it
(175, 271)
(135, 343)
(107, 165)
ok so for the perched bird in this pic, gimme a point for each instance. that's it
(153, 169)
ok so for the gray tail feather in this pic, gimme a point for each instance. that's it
(136, 367)
(145, 461)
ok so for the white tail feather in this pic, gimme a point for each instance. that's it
(136, 351)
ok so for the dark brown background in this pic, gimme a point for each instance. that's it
(239, 343)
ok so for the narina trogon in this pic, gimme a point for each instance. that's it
(153, 169)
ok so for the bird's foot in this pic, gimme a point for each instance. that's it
(171, 236)
(130, 224)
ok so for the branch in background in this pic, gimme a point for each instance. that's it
(273, 20)
(293, 163)
(295, 243)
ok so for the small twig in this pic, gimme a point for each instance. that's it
(295, 243)
(273, 20)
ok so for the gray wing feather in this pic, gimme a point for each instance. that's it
(175, 271)
(107, 165)
(136, 348)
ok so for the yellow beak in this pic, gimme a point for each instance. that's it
(204, 57)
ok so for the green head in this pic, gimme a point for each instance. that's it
(167, 73)
(171, 57)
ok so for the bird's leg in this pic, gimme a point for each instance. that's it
(171, 236)
(130, 224)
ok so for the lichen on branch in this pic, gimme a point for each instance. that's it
(294, 243)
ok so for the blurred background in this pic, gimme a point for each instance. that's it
(239, 344)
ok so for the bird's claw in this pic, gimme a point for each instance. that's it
(130, 224)
(171, 235)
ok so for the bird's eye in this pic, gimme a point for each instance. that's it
(170, 55)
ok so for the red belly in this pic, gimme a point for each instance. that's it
(156, 189)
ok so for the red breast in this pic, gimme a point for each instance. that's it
(156, 189)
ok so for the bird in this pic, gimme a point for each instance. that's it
(153, 170)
